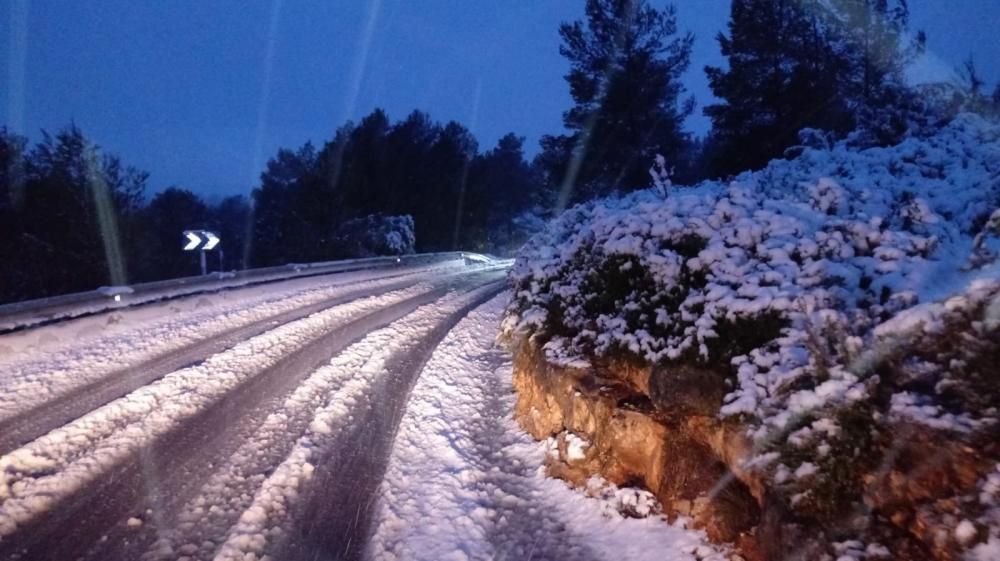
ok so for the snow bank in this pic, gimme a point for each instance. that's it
(737, 274)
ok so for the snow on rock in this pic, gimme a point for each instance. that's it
(834, 236)
(464, 482)
(576, 447)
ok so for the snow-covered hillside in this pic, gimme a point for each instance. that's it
(836, 284)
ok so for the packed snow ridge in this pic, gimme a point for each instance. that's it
(34, 373)
(799, 284)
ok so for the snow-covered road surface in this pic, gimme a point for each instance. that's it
(47, 385)
(263, 425)
(153, 448)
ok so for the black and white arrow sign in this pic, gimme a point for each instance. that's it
(200, 239)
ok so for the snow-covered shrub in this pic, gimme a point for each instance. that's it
(795, 284)
(376, 234)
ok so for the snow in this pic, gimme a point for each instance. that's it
(464, 482)
(44, 363)
(32, 313)
(834, 237)
(850, 215)
(922, 410)
(347, 382)
(377, 234)
(34, 478)
(806, 470)
(112, 291)
(965, 532)
(576, 447)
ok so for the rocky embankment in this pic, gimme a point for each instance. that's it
(660, 430)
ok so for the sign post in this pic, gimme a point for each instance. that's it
(202, 241)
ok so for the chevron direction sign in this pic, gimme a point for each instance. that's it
(200, 239)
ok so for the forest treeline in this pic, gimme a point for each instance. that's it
(73, 217)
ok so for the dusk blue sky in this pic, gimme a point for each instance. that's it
(200, 93)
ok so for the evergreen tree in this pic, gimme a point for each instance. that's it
(363, 178)
(167, 216)
(409, 144)
(68, 215)
(13, 281)
(229, 219)
(870, 37)
(782, 77)
(625, 65)
(504, 186)
(280, 230)
(835, 65)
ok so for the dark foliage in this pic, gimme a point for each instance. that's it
(458, 197)
(809, 64)
(74, 219)
(781, 78)
(626, 60)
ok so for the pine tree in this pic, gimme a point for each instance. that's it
(68, 181)
(835, 65)
(871, 39)
(625, 65)
(782, 77)
(280, 233)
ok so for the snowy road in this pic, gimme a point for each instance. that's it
(155, 451)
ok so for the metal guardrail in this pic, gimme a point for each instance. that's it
(30, 313)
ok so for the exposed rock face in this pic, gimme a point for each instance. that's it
(682, 460)
(660, 430)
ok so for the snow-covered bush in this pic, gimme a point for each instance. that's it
(376, 234)
(816, 288)
(842, 232)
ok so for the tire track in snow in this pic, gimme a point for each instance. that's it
(315, 503)
(34, 381)
(29, 424)
(54, 469)
(453, 490)
(229, 493)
